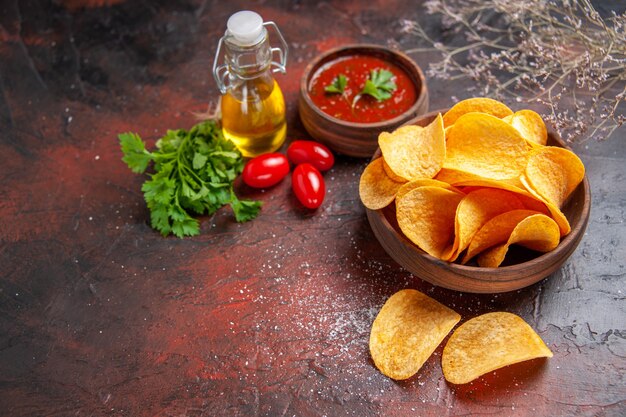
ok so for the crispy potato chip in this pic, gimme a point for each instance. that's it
(553, 210)
(390, 173)
(454, 176)
(495, 231)
(413, 152)
(489, 342)
(465, 179)
(487, 147)
(530, 125)
(426, 216)
(408, 186)
(476, 208)
(477, 104)
(407, 330)
(376, 189)
(530, 201)
(559, 217)
(533, 203)
(554, 173)
(537, 232)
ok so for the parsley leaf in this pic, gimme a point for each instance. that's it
(244, 209)
(338, 85)
(135, 154)
(193, 173)
(199, 160)
(380, 86)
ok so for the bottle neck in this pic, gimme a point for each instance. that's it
(248, 61)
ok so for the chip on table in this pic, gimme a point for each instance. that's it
(406, 332)
(489, 342)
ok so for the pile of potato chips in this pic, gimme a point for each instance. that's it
(411, 325)
(473, 182)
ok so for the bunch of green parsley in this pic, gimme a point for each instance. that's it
(193, 174)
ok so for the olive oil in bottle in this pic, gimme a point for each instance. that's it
(255, 122)
(253, 107)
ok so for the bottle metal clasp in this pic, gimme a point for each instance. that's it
(220, 72)
(281, 66)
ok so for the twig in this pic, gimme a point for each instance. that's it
(552, 53)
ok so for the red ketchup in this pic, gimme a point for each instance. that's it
(357, 69)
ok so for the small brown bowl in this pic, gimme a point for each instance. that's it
(350, 138)
(523, 267)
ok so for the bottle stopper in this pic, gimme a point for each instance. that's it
(246, 27)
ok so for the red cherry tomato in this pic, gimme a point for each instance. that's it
(308, 185)
(316, 154)
(265, 170)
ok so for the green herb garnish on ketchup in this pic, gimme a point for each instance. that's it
(380, 86)
(338, 85)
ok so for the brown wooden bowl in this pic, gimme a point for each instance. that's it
(350, 138)
(522, 267)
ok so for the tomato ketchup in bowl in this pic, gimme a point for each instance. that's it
(357, 70)
(349, 95)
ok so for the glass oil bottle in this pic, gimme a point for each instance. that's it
(252, 104)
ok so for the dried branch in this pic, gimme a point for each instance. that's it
(559, 54)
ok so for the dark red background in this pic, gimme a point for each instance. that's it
(100, 315)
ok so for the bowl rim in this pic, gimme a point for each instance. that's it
(319, 59)
(488, 274)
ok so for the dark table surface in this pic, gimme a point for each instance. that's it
(100, 315)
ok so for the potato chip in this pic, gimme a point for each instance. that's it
(489, 342)
(554, 211)
(537, 232)
(495, 231)
(554, 173)
(477, 104)
(413, 152)
(559, 217)
(530, 125)
(376, 189)
(407, 330)
(411, 185)
(426, 216)
(391, 174)
(454, 176)
(531, 202)
(475, 209)
(487, 147)
(465, 179)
